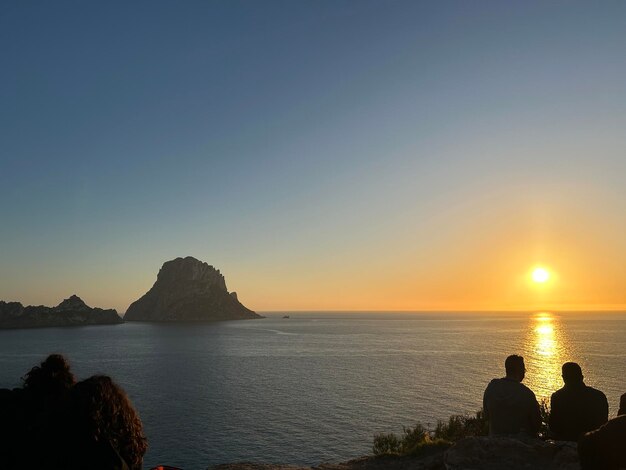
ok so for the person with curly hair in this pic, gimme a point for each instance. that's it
(50, 379)
(54, 422)
(33, 415)
(106, 428)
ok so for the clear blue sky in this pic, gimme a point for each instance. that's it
(313, 151)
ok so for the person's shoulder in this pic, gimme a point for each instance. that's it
(619, 421)
(595, 391)
(558, 394)
(527, 391)
(598, 394)
(495, 383)
(616, 425)
(492, 387)
(8, 395)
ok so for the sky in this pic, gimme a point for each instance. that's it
(324, 155)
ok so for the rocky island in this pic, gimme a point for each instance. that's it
(188, 290)
(70, 312)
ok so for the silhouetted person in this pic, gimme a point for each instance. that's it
(622, 405)
(33, 415)
(604, 448)
(510, 406)
(8, 422)
(52, 422)
(576, 408)
(106, 429)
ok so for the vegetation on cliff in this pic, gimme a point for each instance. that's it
(417, 439)
(421, 439)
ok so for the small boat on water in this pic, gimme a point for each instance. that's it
(286, 316)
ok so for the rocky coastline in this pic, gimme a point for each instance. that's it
(71, 312)
(471, 453)
(186, 290)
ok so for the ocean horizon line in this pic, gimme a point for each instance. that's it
(468, 311)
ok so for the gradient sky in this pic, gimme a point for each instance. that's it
(368, 155)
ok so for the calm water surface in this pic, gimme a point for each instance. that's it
(317, 386)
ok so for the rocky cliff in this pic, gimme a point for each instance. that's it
(70, 312)
(187, 289)
(472, 453)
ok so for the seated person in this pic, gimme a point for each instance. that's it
(576, 408)
(37, 409)
(604, 448)
(104, 427)
(510, 407)
(52, 422)
(8, 426)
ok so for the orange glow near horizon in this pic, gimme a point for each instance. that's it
(457, 264)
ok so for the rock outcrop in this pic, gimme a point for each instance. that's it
(496, 453)
(472, 453)
(71, 312)
(187, 289)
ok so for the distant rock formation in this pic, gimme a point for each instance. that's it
(187, 289)
(70, 312)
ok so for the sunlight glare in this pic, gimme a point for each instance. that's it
(540, 275)
(546, 348)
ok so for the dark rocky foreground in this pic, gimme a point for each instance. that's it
(70, 312)
(363, 463)
(472, 453)
(187, 289)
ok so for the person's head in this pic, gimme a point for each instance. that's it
(52, 376)
(515, 368)
(572, 373)
(104, 413)
(622, 405)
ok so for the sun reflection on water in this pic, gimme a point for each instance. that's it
(546, 346)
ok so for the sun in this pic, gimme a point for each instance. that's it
(540, 275)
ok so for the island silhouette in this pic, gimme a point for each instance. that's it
(186, 290)
(71, 312)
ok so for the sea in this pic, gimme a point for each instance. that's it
(317, 386)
